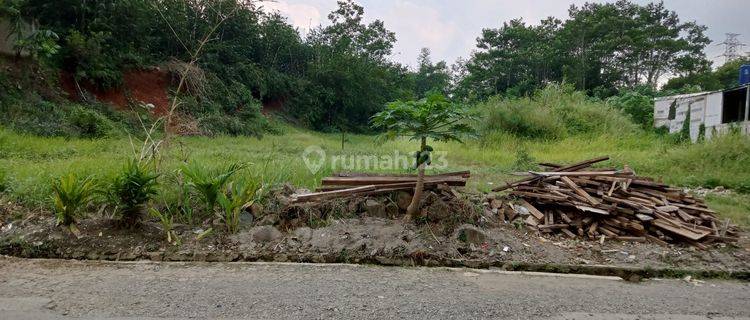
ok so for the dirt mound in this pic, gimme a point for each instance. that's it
(442, 210)
(140, 87)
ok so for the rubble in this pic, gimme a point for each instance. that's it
(606, 203)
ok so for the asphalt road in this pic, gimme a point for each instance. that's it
(56, 289)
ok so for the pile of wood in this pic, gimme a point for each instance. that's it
(605, 203)
(341, 185)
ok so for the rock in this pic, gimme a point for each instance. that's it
(438, 210)
(269, 219)
(496, 204)
(470, 234)
(266, 234)
(246, 218)
(403, 199)
(375, 208)
(256, 209)
(303, 234)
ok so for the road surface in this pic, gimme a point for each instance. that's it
(57, 289)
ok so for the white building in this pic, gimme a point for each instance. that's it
(716, 111)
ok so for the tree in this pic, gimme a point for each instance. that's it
(429, 76)
(515, 57)
(433, 117)
(348, 79)
(348, 32)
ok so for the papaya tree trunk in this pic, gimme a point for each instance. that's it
(413, 209)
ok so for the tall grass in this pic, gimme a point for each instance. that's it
(30, 162)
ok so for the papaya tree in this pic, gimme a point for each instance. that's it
(433, 118)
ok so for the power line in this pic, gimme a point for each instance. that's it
(732, 47)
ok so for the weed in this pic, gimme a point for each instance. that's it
(70, 195)
(132, 189)
(238, 196)
(167, 223)
(209, 183)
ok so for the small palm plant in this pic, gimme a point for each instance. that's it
(132, 189)
(167, 223)
(71, 194)
(433, 117)
(209, 183)
(238, 196)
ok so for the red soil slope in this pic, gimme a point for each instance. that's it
(138, 86)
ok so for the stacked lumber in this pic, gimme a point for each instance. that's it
(341, 185)
(605, 203)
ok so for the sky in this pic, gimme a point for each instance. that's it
(449, 28)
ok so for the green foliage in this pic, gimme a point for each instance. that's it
(90, 123)
(209, 183)
(638, 106)
(167, 224)
(600, 49)
(40, 43)
(238, 196)
(431, 76)
(433, 117)
(132, 189)
(524, 161)
(552, 113)
(70, 196)
(724, 77)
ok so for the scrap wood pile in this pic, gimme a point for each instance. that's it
(341, 185)
(579, 201)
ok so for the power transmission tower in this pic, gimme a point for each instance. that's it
(732, 47)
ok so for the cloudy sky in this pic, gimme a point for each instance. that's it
(450, 27)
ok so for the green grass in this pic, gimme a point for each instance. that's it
(31, 162)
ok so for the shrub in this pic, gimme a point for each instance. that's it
(639, 107)
(70, 195)
(132, 189)
(209, 183)
(237, 197)
(89, 123)
(552, 113)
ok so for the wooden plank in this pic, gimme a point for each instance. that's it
(579, 191)
(574, 173)
(572, 167)
(328, 194)
(357, 181)
(694, 208)
(689, 234)
(630, 238)
(553, 226)
(568, 233)
(538, 195)
(656, 240)
(464, 174)
(592, 210)
(532, 210)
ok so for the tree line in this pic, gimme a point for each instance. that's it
(338, 75)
